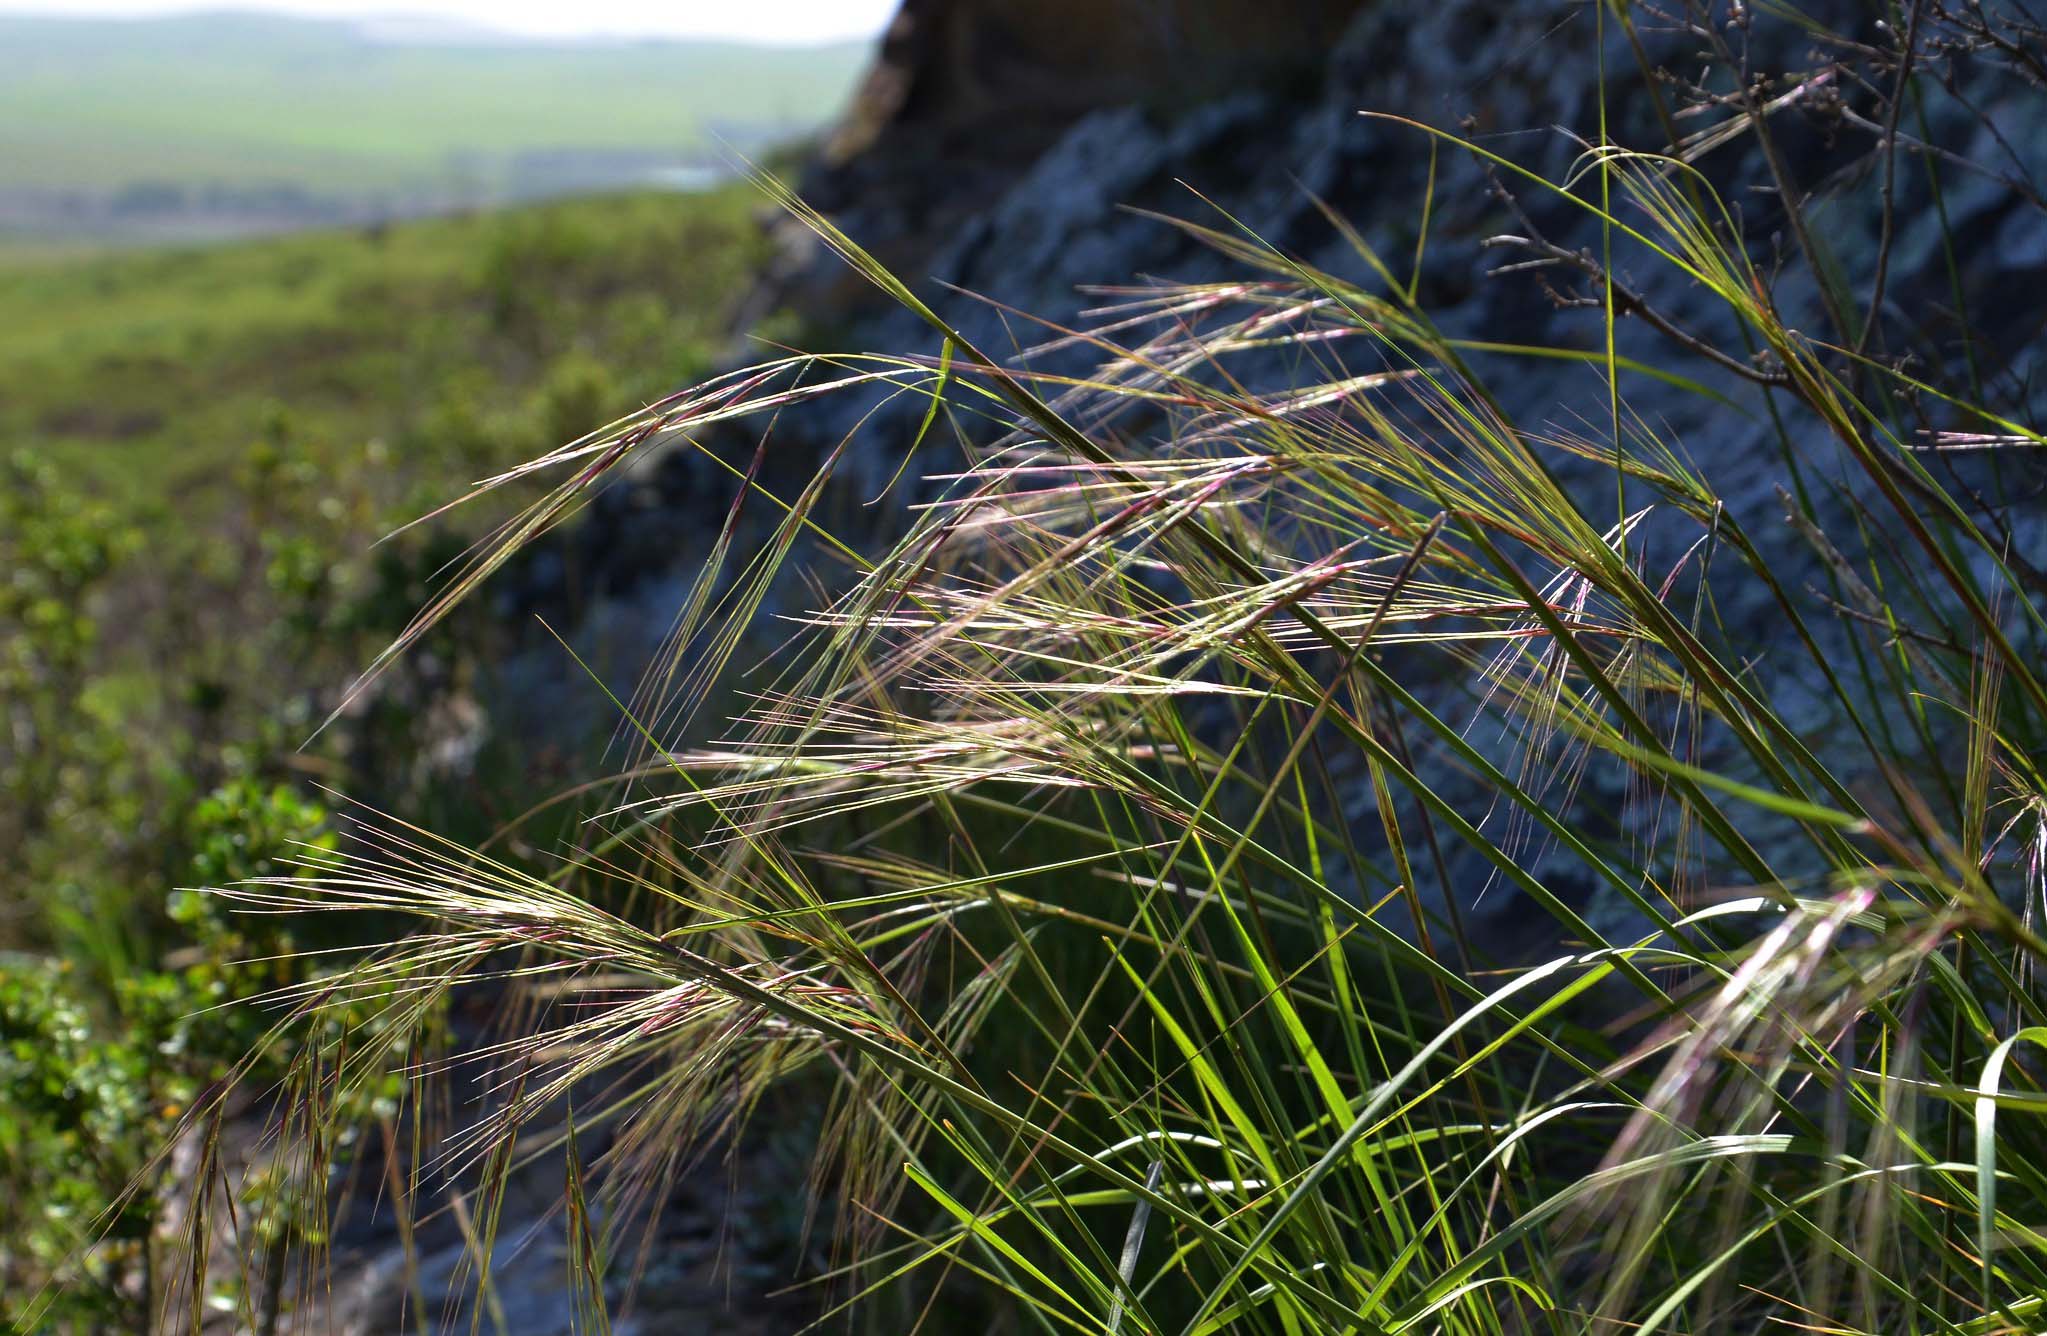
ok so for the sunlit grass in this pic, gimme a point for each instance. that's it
(1111, 843)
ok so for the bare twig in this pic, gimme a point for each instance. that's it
(1626, 301)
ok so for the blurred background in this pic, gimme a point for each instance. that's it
(275, 280)
(177, 123)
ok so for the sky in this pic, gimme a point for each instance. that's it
(748, 20)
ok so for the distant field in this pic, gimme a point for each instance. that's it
(120, 125)
(147, 373)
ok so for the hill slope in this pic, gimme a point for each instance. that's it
(227, 122)
(244, 421)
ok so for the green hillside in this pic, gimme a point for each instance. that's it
(232, 114)
(200, 448)
(145, 371)
(232, 428)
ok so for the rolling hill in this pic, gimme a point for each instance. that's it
(219, 124)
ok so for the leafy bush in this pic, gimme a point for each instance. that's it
(78, 1118)
(98, 1074)
(200, 448)
(215, 437)
(61, 774)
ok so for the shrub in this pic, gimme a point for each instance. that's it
(76, 1123)
(60, 772)
(99, 1072)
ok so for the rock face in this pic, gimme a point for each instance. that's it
(1007, 150)
(972, 102)
(964, 93)
(986, 81)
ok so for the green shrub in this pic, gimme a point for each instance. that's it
(577, 391)
(76, 1123)
(63, 776)
(97, 1074)
(183, 585)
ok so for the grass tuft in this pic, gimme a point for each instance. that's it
(1126, 845)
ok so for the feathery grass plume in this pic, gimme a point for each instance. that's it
(1127, 844)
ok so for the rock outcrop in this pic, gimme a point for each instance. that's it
(964, 94)
(1014, 151)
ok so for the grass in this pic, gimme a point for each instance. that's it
(1037, 842)
(150, 371)
(1104, 845)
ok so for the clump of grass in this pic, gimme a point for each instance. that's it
(1111, 844)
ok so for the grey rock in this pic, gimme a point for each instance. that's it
(1060, 219)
